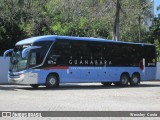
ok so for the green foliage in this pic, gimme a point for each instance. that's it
(153, 36)
(157, 44)
(20, 19)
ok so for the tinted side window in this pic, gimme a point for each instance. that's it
(60, 52)
(80, 48)
(62, 47)
(97, 50)
(123, 54)
(136, 55)
(150, 55)
(37, 55)
(115, 54)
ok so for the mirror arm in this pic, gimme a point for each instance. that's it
(6, 52)
(24, 52)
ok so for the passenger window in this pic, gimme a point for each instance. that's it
(60, 52)
(61, 47)
(80, 48)
(97, 51)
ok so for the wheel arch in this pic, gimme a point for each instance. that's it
(55, 74)
(125, 73)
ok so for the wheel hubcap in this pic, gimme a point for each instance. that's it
(135, 79)
(124, 81)
(52, 81)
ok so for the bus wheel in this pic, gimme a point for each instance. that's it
(52, 81)
(106, 83)
(124, 80)
(34, 85)
(135, 80)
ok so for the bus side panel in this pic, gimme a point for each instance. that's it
(114, 73)
(149, 73)
(96, 74)
(87, 74)
(44, 73)
(33, 76)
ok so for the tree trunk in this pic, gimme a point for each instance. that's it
(116, 23)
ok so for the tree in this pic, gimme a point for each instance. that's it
(153, 36)
(20, 19)
(117, 20)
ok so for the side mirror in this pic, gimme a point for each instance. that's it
(6, 52)
(24, 52)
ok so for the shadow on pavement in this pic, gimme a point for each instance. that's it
(8, 88)
(76, 87)
(89, 87)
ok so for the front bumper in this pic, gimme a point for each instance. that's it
(23, 77)
(16, 79)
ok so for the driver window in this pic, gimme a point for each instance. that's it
(33, 59)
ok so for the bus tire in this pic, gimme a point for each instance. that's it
(52, 81)
(135, 79)
(34, 85)
(124, 79)
(106, 83)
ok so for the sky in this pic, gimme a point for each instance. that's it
(156, 3)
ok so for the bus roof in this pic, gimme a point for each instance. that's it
(53, 37)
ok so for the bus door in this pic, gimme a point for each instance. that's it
(33, 74)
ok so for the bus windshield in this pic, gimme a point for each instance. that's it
(33, 57)
(17, 63)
